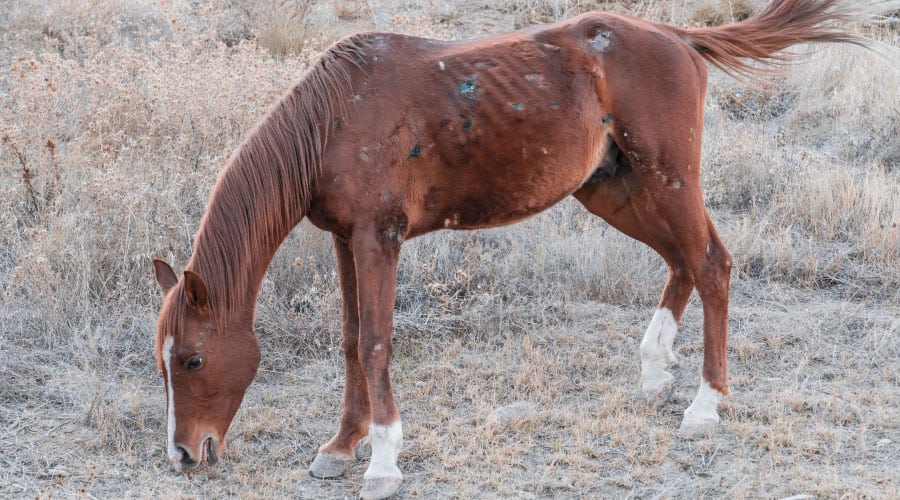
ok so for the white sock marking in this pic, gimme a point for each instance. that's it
(174, 453)
(386, 443)
(656, 350)
(704, 409)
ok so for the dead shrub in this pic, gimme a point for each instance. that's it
(351, 10)
(280, 26)
(715, 13)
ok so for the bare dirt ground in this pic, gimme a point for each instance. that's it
(116, 117)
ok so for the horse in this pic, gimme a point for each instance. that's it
(388, 137)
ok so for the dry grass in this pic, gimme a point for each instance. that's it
(116, 117)
(714, 13)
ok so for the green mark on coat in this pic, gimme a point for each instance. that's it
(516, 106)
(469, 89)
(469, 85)
(467, 125)
(414, 152)
(553, 105)
(607, 119)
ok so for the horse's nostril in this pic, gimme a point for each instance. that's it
(211, 452)
(186, 457)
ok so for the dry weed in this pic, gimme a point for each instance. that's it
(714, 13)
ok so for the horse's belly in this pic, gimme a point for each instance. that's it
(492, 188)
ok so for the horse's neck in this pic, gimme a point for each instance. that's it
(265, 189)
(240, 233)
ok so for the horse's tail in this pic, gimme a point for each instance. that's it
(761, 37)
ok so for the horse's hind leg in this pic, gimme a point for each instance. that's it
(661, 205)
(710, 264)
(336, 456)
(624, 204)
(654, 86)
(666, 162)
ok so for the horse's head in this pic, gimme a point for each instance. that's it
(206, 366)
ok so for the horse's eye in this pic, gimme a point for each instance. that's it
(194, 362)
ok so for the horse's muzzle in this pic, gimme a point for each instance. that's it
(185, 461)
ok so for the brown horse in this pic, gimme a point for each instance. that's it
(389, 137)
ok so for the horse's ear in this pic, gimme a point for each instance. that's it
(195, 290)
(165, 276)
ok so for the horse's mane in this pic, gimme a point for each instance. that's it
(265, 187)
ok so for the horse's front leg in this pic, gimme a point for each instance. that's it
(337, 455)
(376, 253)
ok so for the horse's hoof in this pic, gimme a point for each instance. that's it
(379, 487)
(698, 426)
(659, 391)
(329, 466)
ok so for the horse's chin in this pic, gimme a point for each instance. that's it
(187, 466)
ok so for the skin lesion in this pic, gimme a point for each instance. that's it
(601, 40)
(393, 227)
